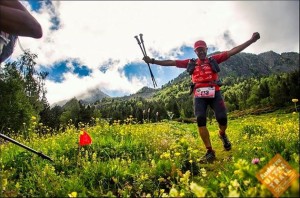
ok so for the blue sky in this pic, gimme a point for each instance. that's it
(57, 71)
(91, 44)
(35, 5)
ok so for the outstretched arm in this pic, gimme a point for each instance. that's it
(243, 46)
(15, 19)
(147, 59)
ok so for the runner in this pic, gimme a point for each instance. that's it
(206, 89)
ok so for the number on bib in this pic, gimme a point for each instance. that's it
(205, 92)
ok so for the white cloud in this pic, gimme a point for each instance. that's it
(112, 81)
(96, 31)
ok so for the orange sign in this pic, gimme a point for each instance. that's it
(277, 175)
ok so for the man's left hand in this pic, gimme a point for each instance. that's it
(255, 37)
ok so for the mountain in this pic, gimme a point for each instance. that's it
(247, 64)
(286, 62)
(250, 65)
(89, 97)
(239, 65)
(145, 92)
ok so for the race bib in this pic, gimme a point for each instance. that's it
(205, 92)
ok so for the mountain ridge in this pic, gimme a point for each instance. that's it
(240, 65)
(90, 96)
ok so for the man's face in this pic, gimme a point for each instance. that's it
(201, 52)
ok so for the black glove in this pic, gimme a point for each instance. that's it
(191, 66)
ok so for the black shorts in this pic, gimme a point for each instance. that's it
(216, 103)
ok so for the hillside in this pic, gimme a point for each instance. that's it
(248, 65)
(145, 92)
(161, 159)
(245, 64)
(240, 65)
(89, 97)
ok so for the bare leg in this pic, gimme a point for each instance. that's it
(210, 153)
(204, 134)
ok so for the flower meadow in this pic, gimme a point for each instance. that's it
(159, 159)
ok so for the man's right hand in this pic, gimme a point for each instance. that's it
(147, 59)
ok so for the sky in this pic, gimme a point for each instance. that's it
(91, 45)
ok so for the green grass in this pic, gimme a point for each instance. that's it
(154, 159)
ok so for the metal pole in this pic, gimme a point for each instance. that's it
(25, 147)
(145, 54)
(153, 79)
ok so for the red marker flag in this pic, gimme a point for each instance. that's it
(84, 139)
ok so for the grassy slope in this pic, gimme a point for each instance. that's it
(151, 159)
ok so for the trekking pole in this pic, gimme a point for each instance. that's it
(26, 147)
(152, 76)
(145, 54)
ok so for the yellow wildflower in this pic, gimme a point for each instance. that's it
(235, 183)
(239, 173)
(195, 151)
(222, 185)
(73, 194)
(247, 182)
(162, 191)
(233, 193)
(199, 191)
(203, 172)
(4, 184)
(161, 179)
(173, 192)
(18, 185)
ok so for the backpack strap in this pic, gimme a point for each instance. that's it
(214, 65)
(191, 66)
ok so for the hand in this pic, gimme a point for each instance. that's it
(255, 37)
(147, 59)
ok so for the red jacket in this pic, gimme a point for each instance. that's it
(203, 76)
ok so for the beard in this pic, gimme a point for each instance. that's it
(202, 56)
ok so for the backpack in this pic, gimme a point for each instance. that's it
(214, 66)
(212, 62)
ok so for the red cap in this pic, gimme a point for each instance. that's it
(200, 43)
